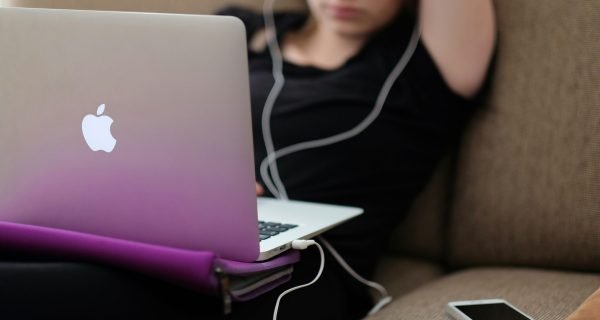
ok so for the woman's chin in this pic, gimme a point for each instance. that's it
(350, 28)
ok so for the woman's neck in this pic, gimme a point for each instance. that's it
(319, 46)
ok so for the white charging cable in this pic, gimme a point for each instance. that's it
(385, 297)
(301, 245)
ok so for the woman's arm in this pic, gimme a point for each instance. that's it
(460, 35)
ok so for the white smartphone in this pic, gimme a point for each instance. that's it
(489, 309)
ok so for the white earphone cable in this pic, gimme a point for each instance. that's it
(276, 186)
(269, 164)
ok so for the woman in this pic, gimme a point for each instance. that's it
(336, 59)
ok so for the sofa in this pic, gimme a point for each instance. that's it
(513, 211)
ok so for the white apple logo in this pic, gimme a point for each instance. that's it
(96, 131)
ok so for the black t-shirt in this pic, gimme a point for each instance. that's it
(383, 168)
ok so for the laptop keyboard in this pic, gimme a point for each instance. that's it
(270, 229)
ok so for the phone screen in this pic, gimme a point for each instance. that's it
(492, 311)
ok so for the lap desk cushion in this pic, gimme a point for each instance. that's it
(202, 271)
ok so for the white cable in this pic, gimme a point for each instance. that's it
(301, 245)
(277, 189)
(270, 162)
(379, 305)
(385, 297)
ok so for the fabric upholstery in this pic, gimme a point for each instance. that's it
(589, 309)
(544, 295)
(400, 275)
(528, 185)
(422, 232)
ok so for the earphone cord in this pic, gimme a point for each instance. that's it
(269, 164)
(276, 187)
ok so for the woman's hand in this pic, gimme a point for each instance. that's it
(259, 189)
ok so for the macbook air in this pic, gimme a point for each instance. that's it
(137, 126)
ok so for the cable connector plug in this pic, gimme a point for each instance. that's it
(302, 244)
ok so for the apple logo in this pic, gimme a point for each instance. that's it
(96, 131)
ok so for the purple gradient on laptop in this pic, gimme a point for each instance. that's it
(143, 201)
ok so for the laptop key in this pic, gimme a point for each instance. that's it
(263, 237)
(268, 233)
(272, 224)
(271, 228)
(277, 229)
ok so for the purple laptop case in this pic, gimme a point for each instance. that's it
(192, 269)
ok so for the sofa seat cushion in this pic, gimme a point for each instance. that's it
(589, 309)
(544, 295)
(399, 275)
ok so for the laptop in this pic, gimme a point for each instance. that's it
(137, 126)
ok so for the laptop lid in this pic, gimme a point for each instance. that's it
(164, 99)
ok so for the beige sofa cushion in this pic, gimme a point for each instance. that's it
(544, 295)
(589, 309)
(528, 190)
(400, 275)
(422, 232)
